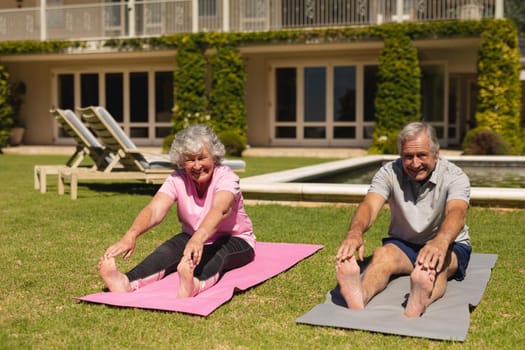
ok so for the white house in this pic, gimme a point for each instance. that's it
(294, 93)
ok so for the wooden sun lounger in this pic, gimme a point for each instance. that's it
(87, 145)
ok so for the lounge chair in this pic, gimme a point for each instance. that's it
(107, 129)
(115, 139)
(128, 162)
(136, 164)
(87, 145)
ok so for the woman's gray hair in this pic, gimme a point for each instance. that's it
(191, 140)
(411, 130)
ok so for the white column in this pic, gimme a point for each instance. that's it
(226, 15)
(195, 16)
(499, 9)
(43, 20)
(399, 11)
(130, 11)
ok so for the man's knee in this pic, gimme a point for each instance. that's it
(392, 259)
(451, 264)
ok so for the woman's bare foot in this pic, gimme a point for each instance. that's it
(188, 285)
(348, 276)
(421, 286)
(115, 280)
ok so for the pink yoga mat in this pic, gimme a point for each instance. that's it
(270, 260)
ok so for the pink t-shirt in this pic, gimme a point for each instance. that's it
(192, 209)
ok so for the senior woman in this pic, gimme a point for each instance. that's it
(217, 234)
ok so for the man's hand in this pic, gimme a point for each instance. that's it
(433, 254)
(349, 245)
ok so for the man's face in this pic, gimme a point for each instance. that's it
(418, 159)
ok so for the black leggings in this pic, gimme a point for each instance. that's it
(224, 254)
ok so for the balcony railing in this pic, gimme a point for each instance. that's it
(142, 18)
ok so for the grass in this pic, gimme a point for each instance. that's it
(50, 247)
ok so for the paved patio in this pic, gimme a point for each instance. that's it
(315, 152)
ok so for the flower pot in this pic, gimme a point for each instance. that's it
(17, 136)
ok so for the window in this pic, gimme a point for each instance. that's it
(66, 91)
(286, 104)
(163, 101)
(140, 101)
(315, 104)
(115, 95)
(344, 94)
(370, 91)
(89, 89)
(432, 93)
(433, 97)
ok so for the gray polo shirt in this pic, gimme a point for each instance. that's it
(417, 210)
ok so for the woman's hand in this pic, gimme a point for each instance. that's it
(193, 251)
(125, 246)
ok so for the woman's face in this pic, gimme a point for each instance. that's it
(199, 167)
(418, 159)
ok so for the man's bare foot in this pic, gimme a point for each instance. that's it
(115, 280)
(349, 279)
(421, 286)
(188, 285)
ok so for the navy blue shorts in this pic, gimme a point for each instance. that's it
(411, 250)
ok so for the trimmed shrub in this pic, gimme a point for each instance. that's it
(384, 142)
(226, 99)
(166, 143)
(6, 111)
(398, 99)
(233, 142)
(483, 141)
(499, 97)
(189, 79)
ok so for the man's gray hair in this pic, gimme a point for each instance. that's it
(411, 130)
(191, 140)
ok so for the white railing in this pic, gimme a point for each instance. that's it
(141, 18)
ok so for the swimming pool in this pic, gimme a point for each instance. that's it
(506, 175)
(302, 184)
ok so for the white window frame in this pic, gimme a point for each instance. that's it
(126, 124)
(329, 124)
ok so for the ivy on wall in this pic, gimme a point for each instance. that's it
(398, 98)
(6, 120)
(499, 96)
(227, 90)
(189, 80)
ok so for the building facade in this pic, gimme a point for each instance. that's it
(313, 94)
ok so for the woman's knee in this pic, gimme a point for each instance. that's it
(173, 245)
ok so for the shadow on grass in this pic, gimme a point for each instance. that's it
(129, 188)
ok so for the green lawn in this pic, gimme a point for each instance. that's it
(50, 246)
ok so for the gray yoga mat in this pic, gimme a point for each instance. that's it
(446, 319)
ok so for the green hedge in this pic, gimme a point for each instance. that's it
(499, 96)
(398, 98)
(190, 84)
(228, 76)
(6, 118)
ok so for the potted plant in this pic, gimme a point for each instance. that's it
(17, 92)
